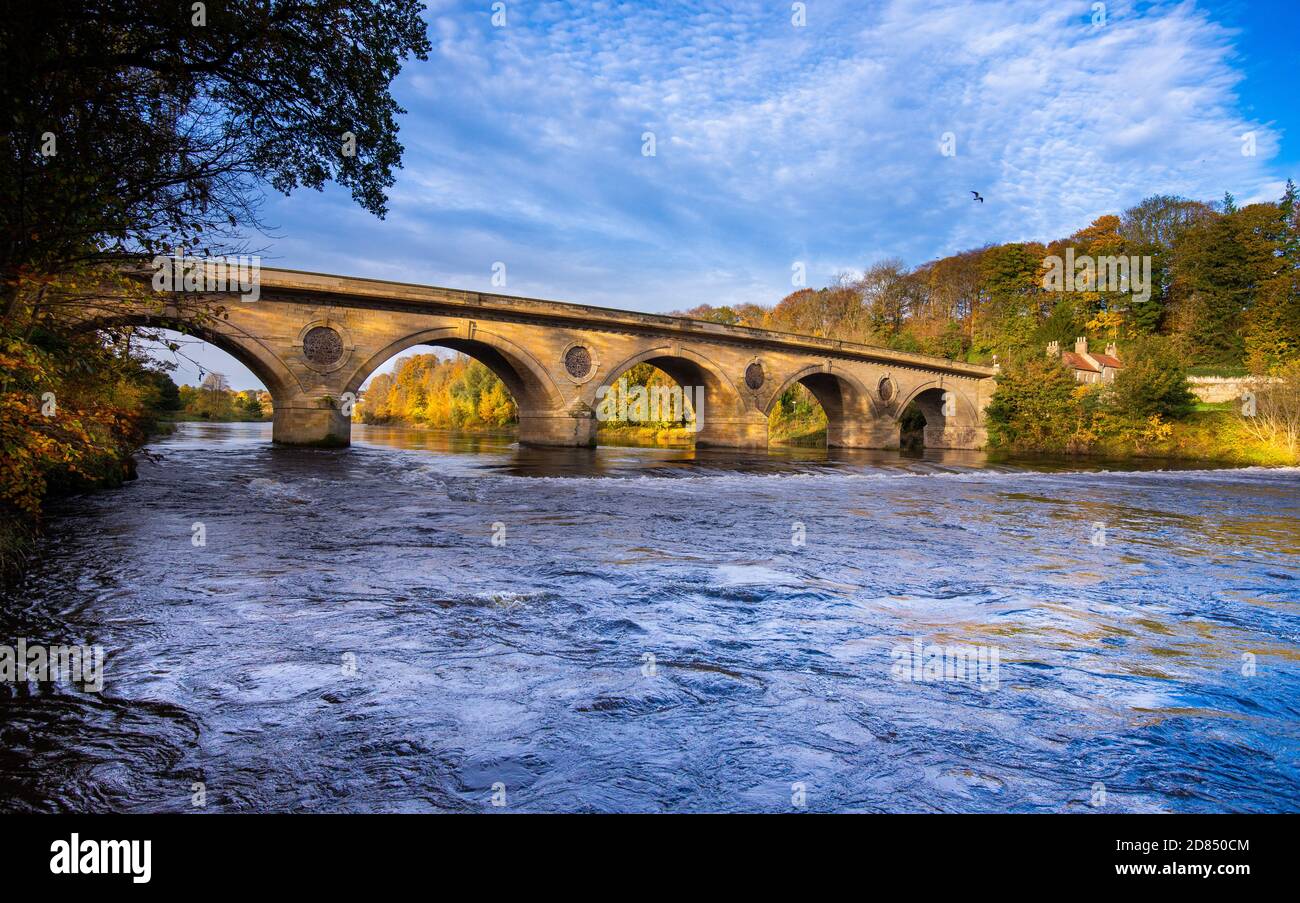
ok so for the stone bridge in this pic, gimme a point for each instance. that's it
(314, 338)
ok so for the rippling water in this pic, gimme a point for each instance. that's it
(649, 637)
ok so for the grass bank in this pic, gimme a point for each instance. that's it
(1215, 435)
(808, 436)
(1212, 434)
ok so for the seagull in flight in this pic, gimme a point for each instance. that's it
(977, 197)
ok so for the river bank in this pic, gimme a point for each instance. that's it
(1213, 436)
(17, 539)
(185, 417)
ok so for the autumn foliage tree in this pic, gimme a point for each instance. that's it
(132, 126)
(427, 390)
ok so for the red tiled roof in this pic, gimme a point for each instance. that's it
(1078, 362)
(1108, 361)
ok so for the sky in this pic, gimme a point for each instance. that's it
(778, 145)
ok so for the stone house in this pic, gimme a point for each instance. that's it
(1088, 367)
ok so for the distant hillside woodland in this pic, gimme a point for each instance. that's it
(1223, 297)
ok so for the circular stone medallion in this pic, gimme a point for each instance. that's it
(577, 360)
(885, 389)
(322, 346)
(754, 376)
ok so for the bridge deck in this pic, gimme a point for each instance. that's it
(403, 295)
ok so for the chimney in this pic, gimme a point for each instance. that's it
(1112, 350)
(1053, 349)
(1081, 345)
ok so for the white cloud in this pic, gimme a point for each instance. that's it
(778, 143)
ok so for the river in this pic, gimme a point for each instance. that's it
(425, 623)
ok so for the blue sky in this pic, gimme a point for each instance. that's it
(777, 144)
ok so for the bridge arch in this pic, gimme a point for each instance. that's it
(950, 421)
(849, 407)
(685, 365)
(724, 416)
(250, 351)
(525, 377)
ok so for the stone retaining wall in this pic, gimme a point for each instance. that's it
(1216, 389)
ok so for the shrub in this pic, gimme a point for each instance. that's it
(1154, 383)
(1035, 407)
(1276, 416)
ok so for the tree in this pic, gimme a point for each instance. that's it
(1063, 324)
(496, 407)
(1034, 406)
(166, 394)
(1015, 301)
(213, 399)
(1272, 328)
(835, 311)
(750, 314)
(888, 298)
(374, 407)
(248, 405)
(1226, 262)
(1152, 228)
(953, 292)
(1153, 382)
(214, 382)
(130, 127)
(711, 314)
(448, 394)
(1161, 219)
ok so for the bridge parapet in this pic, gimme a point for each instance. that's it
(487, 305)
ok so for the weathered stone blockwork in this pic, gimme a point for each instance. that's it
(313, 339)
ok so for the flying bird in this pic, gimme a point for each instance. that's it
(977, 197)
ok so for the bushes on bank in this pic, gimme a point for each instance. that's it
(1273, 412)
(73, 412)
(1037, 406)
(1148, 410)
(1154, 383)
